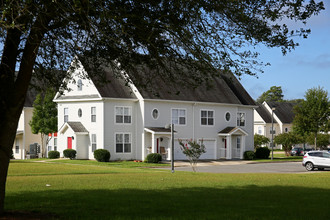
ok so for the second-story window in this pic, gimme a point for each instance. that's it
(240, 119)
(123, 115)
(66, 114)
(207, 117)
(179, 116)
(93, 114)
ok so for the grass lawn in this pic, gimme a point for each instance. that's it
(85, 190)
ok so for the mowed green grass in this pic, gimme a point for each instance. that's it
(78, 191)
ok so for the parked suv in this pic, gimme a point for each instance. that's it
(297, 152)
(316, 159)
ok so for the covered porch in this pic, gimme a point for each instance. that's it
(157, 140)
(233, 143)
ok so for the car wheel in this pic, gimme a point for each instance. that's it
(309, 166)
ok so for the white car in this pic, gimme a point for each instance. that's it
(316, 159)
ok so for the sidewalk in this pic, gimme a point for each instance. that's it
(202, 163)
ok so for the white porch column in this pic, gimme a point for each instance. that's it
(242, 146)
(143, 146)
(153, 145)
(229, 148)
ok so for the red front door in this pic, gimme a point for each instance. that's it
(69, 142)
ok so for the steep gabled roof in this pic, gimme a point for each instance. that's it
(112, 86)
(223, 89)
(264, 114)
(283, 110)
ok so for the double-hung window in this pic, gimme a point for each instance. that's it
(55, 143)
(179, 116)
(17, 147)
(66, 114)
(93, 142)
(207, 117)
(123, 143)
(123, 115)
(93, 114)
(240, 119)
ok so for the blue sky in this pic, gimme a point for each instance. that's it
(305, 67)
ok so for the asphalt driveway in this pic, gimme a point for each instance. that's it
(245, 167)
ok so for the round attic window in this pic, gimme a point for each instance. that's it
(155, 113)
(227, 116)
(79, 112)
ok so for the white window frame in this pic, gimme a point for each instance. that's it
(229, 116)
(66, 115)
(124, 115)
(179, 116)
(123, 142)
(55, 143)
(238, 142)
(207, 117)
(93, 142)
(239, 122)
(260, 130)
(272, 129)
(152, 114)
(93, 114)
(17, 148)
(79, 85)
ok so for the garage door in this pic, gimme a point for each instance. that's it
(210, 153)
(210, 150)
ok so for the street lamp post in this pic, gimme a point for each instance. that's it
(272, 143)
(172, 149)
(172, 145)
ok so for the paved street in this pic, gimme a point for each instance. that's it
(245, 167)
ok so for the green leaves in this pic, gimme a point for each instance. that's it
(44, 119)
(313, 114)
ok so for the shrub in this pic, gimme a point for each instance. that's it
(249, 155)
(193, 152)
(69, 153)
(53, 154)
(153, 158)
(262, 153)
(102, 155)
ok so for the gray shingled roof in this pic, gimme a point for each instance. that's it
(226, 130)
(283, 110)
(224, 89)
(77, 126)
(160, 129)
(264, 114)
(111, 86)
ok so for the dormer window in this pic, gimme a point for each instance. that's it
(79, 85)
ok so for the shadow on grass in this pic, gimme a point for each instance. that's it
(249, 202)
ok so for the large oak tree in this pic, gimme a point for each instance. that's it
(41, 36)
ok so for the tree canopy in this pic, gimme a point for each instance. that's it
(313, 114)
(274, 94)
(287, 140)
(44, 118)
(260, 140)
(39, 37)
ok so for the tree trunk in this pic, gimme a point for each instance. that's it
(7, 137)
(4, 163)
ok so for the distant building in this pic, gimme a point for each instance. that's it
(282, 118)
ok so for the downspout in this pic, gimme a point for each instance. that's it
(194, 120)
